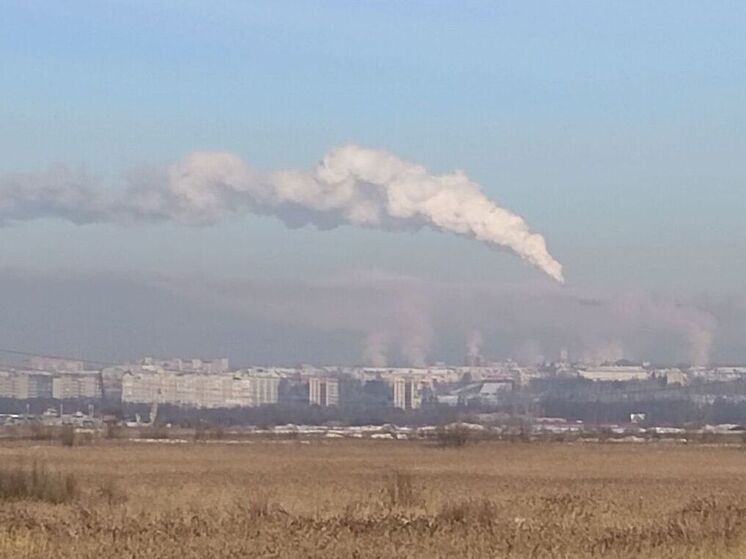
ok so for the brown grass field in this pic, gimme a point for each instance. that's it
(118, 499)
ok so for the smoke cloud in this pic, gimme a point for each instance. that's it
(474, 343)
(607, 352)
(406, 320)
(369, 317)
(376, 349)
(351, 185)
(695, 324)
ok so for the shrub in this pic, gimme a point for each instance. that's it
(205, 432)
(114, 431)
(37, 483)
(400, 490)
(67, 435)
(260, 506)
(40, 432)
(481, 512)
(154, 432)
(111, 492)
(453, 436)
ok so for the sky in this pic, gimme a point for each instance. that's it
(616, 130)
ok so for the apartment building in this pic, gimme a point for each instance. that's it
(406, 394)
(323, 391)
(23, 385)
(84, 384)
(200, 390)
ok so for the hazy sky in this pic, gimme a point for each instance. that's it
(617, 130)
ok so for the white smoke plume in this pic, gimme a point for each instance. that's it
(328, 319)
(608, 352)
(697, 325)
(351, 185)
(416, 329)
(406, 320)
(474, 342)
(376, 349)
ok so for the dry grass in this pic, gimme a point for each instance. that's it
(381, 499)
(36, 483)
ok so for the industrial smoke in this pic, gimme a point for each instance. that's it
(351, 185)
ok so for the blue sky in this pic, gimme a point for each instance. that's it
(617, 129)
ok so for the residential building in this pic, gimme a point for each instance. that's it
(406, 394)
(323, 391)
(84, 384)
(200, 389)
(611, 373)
(55, 364)
(23, 385)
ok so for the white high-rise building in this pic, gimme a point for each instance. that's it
(200, 390)
(24, 385)
(406, 394)
(323, 391)
(84, 384)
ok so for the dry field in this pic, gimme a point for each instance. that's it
(373, 499)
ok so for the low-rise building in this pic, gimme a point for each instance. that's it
(613, 373)
(673, 376)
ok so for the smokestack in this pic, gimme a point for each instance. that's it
(351, 185)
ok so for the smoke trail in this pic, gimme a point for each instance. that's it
(695, 324)
(610, 351)
(376, 348)
(529, 352)
(415, 327)
(474, 343)
(351, 185)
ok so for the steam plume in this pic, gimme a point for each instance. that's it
(474, 343)
(375, 350)
(351, 185)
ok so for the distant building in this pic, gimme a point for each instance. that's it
(85, 384)
(323, 391)
(488, 392)
(111, 383)
(7, 387)
(406, 394)
(188, 365)
(255, 389)
(55, 364)
(200, 390)
(725, 373)
(24, 385)
(492, 392)
(612, 373)
(40, 386)
(674, 376)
